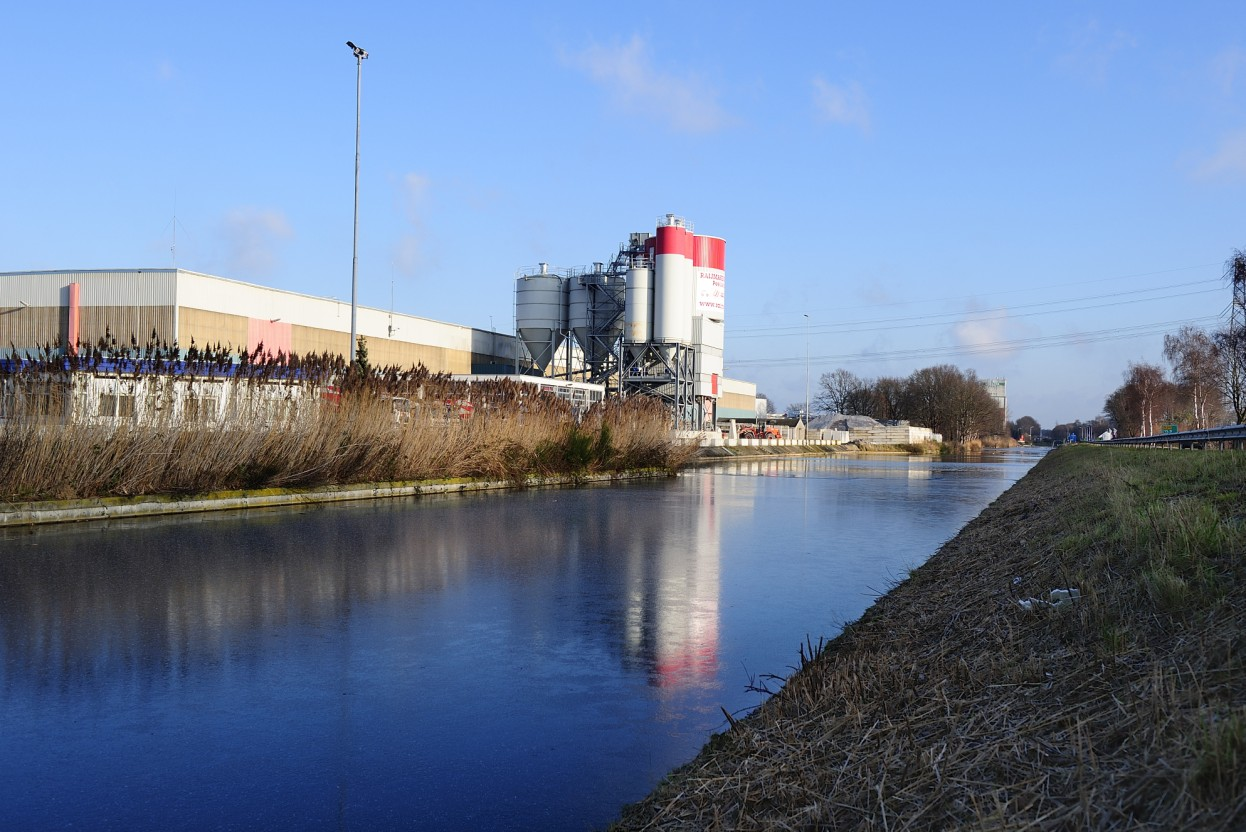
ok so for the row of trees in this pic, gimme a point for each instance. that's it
(1194, 396)
(1207, 385)
(946, 399)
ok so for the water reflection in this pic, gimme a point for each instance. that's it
(529, 660)
(138, 599)
(912, 467)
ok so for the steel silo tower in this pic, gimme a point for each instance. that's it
(541, 314)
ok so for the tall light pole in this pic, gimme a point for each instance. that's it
(354, 258)
(806, 375)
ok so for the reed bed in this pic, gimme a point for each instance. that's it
(949, 705)
(282, 430)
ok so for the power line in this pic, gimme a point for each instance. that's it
(1038, 342)
(941, 318)
(979, 295)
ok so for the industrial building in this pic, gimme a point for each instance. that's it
(175, 305)
(647, 322)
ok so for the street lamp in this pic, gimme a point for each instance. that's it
(354, 259)
(806, 375)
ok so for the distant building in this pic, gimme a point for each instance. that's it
(998, 388)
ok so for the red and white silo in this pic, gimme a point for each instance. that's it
(709, 255)
(672, 281)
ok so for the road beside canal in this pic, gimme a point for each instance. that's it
(970, 695)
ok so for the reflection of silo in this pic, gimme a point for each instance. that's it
(541, 314)
(672, 282)
(638, 309)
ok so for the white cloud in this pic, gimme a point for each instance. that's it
(413, 193)
(251, 239)
(409, 252)
(1228, 160)
(685, 103)
(989, 330)
(842, 103)
(1091, 52)
(1226, 67)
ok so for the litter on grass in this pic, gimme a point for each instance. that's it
(1056, 599)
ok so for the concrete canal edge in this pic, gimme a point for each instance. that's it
(112, 508)
(38, 513)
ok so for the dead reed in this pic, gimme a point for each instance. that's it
(948, 705)
(285, 427)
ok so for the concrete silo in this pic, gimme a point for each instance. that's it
(541, 314)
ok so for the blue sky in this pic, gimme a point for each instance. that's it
(1032, 191)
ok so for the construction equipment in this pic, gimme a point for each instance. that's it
(759, 432)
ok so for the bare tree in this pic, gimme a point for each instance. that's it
(1231, 349)
(1123, 409)
(951, 402)
(1142, 401)
(841, 391)
(888, 397)
(1027, 426)
(1196, 369)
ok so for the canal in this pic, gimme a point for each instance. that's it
(530, 660)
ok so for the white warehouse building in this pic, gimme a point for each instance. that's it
(46, 307)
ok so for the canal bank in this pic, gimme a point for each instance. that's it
(977, 693)
(45, 512)
(112, 508)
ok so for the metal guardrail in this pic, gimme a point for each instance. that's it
(1234, 435)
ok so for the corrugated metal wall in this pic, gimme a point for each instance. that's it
(26, 327)
(383, 351)
(211, 310)
(125, 321)
(34, 306)
(211, 328)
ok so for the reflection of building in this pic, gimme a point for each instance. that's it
(673, 590)
(686, 610)
(180, 592)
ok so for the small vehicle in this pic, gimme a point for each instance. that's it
(759, 432)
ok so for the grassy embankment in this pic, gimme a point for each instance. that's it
(949, 706)
(514, 434)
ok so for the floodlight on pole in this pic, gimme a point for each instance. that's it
(354, 259)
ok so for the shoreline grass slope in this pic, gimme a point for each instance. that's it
(949, 705)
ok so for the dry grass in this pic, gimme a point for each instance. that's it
(948, 706)
(514, 432)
